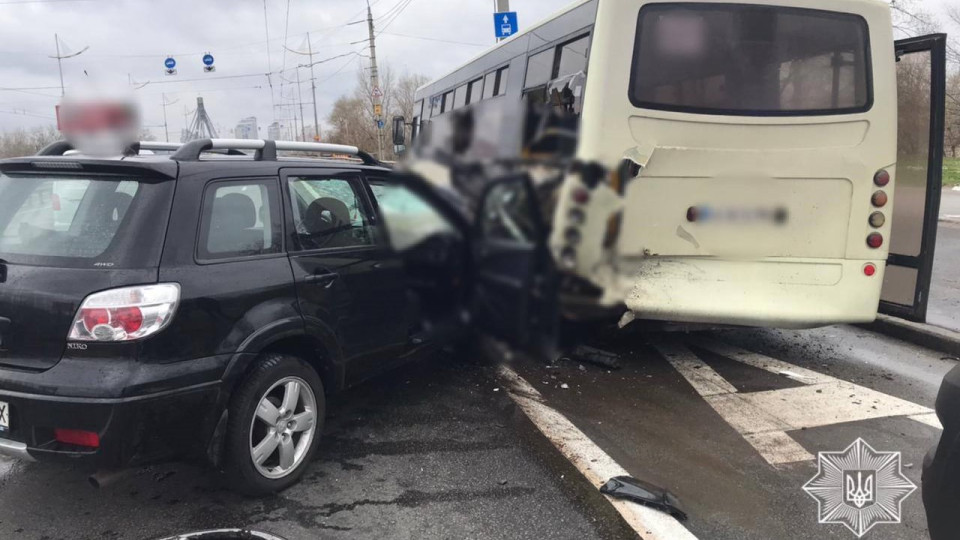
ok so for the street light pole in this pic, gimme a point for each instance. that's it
(166, 130)
(375, 80)
(313, 85)
(60, 59)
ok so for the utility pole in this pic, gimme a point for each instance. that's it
(375, 81)
(303, 128)
(61, 57)
(501, 6)
(166, 130)
(313, 85)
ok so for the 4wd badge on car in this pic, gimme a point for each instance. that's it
(859, 487)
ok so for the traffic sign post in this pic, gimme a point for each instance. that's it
(208, 66)
(170, 66)
(505, 24)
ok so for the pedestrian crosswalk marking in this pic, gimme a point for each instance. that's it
(765, 418)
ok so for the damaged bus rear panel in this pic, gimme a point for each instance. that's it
(696, 162)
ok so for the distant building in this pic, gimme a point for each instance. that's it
(247, 129)
(273, 131)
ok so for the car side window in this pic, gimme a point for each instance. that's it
(328, 213)
(409, 219)
(240, 219)
(506, 214)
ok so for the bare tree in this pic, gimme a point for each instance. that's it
(352, 120)
(23, 142)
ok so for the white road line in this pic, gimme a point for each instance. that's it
(589, 459)
(764, 418)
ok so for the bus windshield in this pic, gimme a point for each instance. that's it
(750, 60)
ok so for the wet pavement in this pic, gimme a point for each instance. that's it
(653, 422)
(438, 450)
(430, 451)
(944, 306)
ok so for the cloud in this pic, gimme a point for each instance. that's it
(129, 40)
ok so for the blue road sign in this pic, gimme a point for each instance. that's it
(380, 124)
(505, 24)
(208, 59)
(170, 63)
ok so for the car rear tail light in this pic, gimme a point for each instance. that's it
(77, 437)
(581, 195)
(877, 219)
(879, 199)
(875, 240)
(869, 270)
(125, 314)
(882, 178)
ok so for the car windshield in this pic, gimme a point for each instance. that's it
(62, 216)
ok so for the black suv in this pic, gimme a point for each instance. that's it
(205, 302)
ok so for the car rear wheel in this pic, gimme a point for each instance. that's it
(275, 421)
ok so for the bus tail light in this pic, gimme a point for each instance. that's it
(581, 195)
(869, 270)
(877, 220)
(879, 199)
(568, 258)
(882, 178)
(572, 236)
(875, 240)
(125, 314)
(693, 214)
(576, 217)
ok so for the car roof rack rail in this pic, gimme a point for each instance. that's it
(267, 150)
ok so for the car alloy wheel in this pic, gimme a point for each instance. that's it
(283, 427)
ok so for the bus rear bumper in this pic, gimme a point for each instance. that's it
(773, 293)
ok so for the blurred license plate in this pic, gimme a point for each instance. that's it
(4, 416)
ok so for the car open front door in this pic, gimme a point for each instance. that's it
(510, 262)
(921, 82)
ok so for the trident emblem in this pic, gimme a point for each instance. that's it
(859, 490)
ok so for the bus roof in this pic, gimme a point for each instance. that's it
(572, 6)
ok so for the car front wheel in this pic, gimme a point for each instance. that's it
(275, 421)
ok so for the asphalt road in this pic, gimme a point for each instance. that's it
(438, 450)
(430, 451)
(652, 421)
(944, 306)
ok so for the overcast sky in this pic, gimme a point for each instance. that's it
(129, 39)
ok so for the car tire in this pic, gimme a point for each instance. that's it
(258, 420)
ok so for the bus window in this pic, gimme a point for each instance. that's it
(447, 103)
(490, 85)
(495, 83)
(501, 88)
(540, 68)
(573, 57)
(474, 91)
(460, 97)
(743, 60)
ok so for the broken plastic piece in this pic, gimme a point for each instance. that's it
(638, 491)
(592, 355)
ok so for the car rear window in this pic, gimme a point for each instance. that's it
(750, 60)
(75, 221)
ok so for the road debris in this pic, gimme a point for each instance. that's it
(638, 491)
(595, 356)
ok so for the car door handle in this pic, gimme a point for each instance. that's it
(326, 279)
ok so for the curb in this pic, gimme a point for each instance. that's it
(926, 335)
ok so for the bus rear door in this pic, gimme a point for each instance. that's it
(921, 84)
